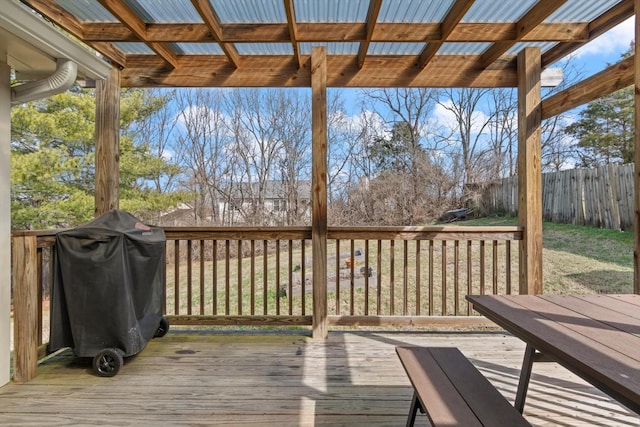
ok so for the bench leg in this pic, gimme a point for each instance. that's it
(525, 375)
(415, 405)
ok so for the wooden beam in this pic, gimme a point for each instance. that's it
(636, 174)
(613, 78)
(319, 189)
(107, 143)
(455, 14)
(129, 18)
(335, 32)
(25, 303)
(343, 71)
(530, 170)
(372, 19)
(596, 28)
(526, 24)
(293, 30)
(210, 18)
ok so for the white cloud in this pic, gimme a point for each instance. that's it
(616, 39)
(446, 118)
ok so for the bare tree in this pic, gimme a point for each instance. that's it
(204, 147)
(403, 154)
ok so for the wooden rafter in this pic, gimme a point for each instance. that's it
(210, 18)
(293, 30)
(596, 28)
(527, 23)
(455, 14)
(121, 11)
(615, 77)
(370, 24)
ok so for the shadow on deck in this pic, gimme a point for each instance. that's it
(352, 379)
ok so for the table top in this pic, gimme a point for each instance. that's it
(595, 336)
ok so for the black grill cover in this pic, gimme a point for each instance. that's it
(108, 285)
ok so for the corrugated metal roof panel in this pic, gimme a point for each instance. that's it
(502, 11)
(331, 10)
(87, 10)
(388, 48)
(463, 48)
(196, 48)
(515, 49)
(165, 11)
(264, 48)
(250, 11)
(134, 48)
(333, 48)
(413, 11)
(581, 10)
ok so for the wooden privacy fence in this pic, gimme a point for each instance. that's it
(263, 276)
(600, 197)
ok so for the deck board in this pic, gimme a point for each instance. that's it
(352, 379)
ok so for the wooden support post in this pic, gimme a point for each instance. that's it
(636, 175)
(5, 222)
(319, 189)
(25, 304)
(107, 143)
(529, 170)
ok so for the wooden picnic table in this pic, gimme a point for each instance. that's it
(597, 337)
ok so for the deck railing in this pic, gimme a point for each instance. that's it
(262, 276)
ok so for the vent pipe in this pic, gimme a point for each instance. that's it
(63, 78)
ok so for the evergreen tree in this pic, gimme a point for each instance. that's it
(53, 160)
(605, 131)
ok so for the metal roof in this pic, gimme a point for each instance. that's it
(365, 40)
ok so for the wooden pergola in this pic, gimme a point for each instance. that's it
(461, 48)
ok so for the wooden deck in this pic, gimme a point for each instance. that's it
(352, 379)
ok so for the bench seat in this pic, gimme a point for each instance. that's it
(452, 392)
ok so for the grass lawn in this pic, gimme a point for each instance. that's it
(579, 259)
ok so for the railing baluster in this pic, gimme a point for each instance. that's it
(508, 266)
(290, 293)
(352, 285)
(202, 294)
(253, 277)
(469, 274)
(456, 278)
(227, 270)
(392, 255)
(176, 277)
(39, 293)
(418, 279)
(278, 284)
(431, 309)
(379, 279)
(482, 267)
(495, 267)
(405, 278)
(366, 277)
(265, 277)
(303, 277)
(214, 277)
(337, 276)
(189, 276)
(444, 278)
(239, 256)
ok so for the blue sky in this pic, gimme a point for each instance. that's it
(606, 49)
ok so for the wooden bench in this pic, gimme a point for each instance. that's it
(452, 392)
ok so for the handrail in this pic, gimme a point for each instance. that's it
(262, 276)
